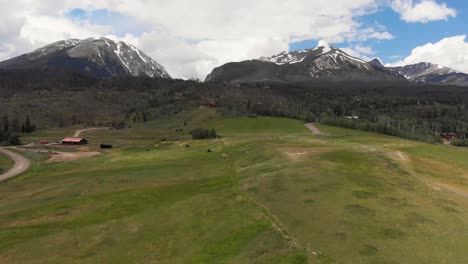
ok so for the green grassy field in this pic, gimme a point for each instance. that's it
(5, 163)
(268, 192)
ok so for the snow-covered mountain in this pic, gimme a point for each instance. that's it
(322, 62)
(431, 73)
(98, 57)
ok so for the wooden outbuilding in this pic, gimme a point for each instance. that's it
(448, 136)
(74, 141)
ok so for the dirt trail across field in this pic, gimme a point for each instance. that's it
(404, 159)
(70, 156)
(78, 132)
(313, 129)
(21, 164)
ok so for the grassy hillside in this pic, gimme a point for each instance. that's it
(260, 126)
(5, 163)
(268, 192)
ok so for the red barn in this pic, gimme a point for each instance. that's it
(74, 141)
(448, 136)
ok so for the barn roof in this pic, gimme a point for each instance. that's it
(72, 139)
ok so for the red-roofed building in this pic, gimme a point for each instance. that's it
(74, 141)
(448, 136)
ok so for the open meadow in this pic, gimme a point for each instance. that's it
(267, 191)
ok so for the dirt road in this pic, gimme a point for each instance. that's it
(21, 164)
(78, 132)
(313, 129)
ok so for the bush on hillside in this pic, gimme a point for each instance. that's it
(201, 133)
(459, 142)
(14, 140)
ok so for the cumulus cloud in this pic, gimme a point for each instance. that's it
(423, 11)
(28, 24)
(191, 37)
(450, 52)
(360, 51)
(225, 31)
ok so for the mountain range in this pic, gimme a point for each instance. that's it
(330, 63)
(323, 62)
(98, 57)
(104, 58)
(431, 73)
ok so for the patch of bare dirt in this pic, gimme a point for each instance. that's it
(295, 155)
(313, 129)
(70, 156)
(399, 156)
(301, 153)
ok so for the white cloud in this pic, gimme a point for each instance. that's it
(191, 37)
(359, 51)
(42, 29)
(225, 31)
(423, 11)
(450, 52)
(28, 24)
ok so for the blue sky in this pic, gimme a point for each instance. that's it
(407, 35)
(121, 23)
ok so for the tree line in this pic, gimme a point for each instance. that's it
(10, 130)
(408, 110)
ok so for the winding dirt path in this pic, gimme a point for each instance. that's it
(313, 129)
(21, 164)
(78, 132)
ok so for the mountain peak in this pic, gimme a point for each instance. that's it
(324, 44)
(99, 57)
(322, 62)
(425, 72)
(377, 63)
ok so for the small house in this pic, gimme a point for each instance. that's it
(448, 136)
(74, 141)
(210, 103)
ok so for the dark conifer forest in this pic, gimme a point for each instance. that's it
(31, 99)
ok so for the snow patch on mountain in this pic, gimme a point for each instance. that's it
(419, 70)
(118, 52)
(285, 58)
(324, 45)
(323, 49)
(51, 48)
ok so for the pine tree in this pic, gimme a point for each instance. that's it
(74, 120)
(5, 123)
(15, 126)
(27, 125)
(13, 140)
(213, 133)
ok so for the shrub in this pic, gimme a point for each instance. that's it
(13, 140)
(201, 133)
(459, 142)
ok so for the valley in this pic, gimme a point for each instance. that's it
(268, 191)
(234, 132)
